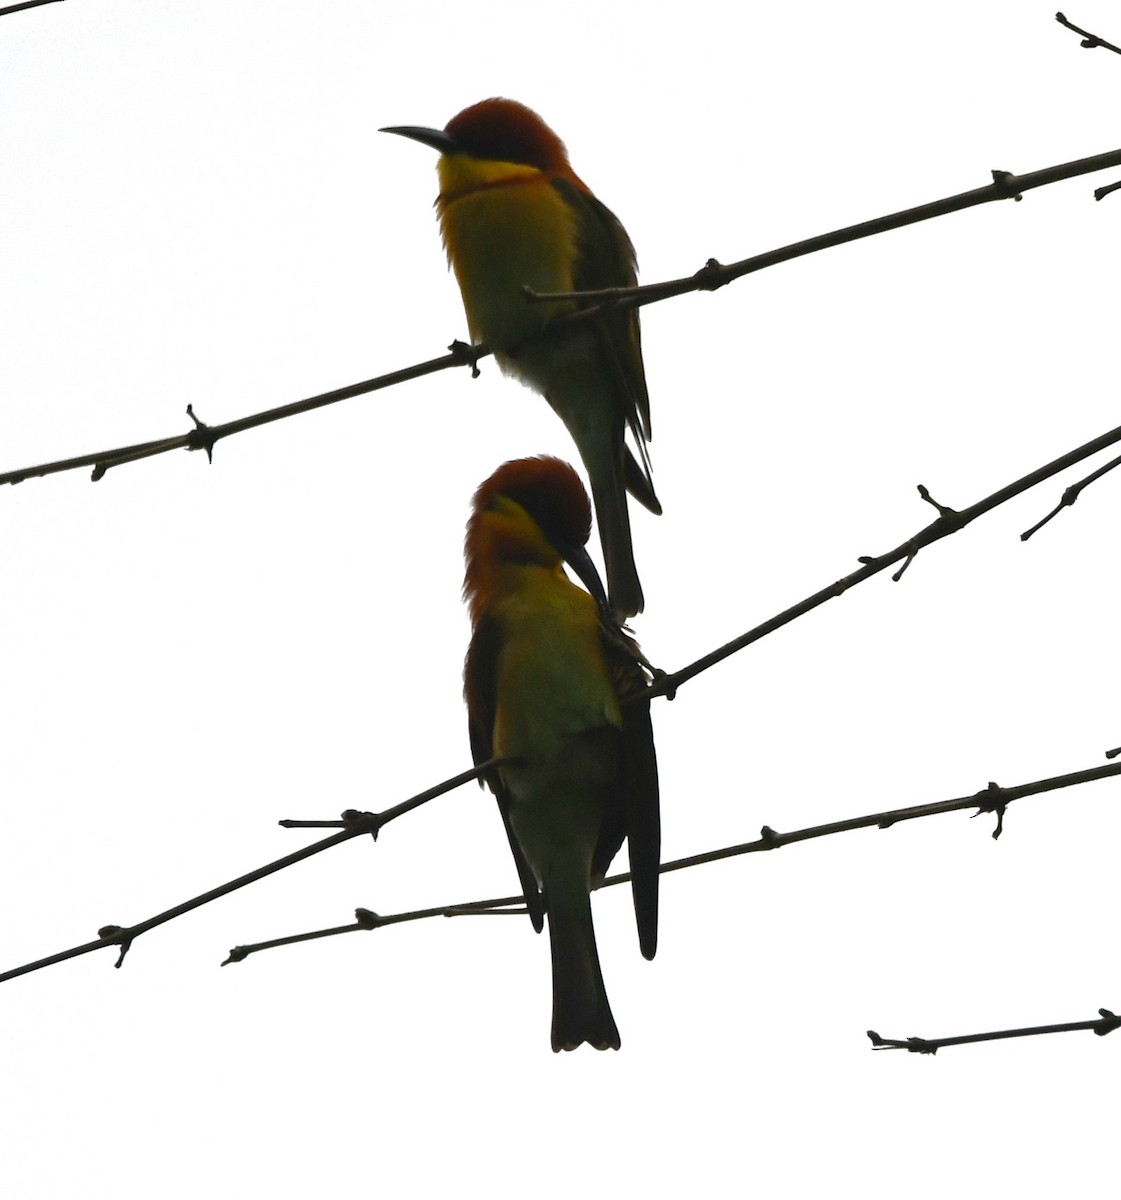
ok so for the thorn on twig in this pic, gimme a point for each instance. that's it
(113, 933)
(992, 800)
(366, 919)
(1004, 180)
(943, 510)
(202, 437)
(898, 575)
(468, 355)
(769, 838)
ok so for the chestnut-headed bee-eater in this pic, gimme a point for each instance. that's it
(514, 214)
(554, 687)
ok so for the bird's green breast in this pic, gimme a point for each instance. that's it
(553, 680)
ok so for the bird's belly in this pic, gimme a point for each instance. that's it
(557, 807)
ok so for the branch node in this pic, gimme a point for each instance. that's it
(659, 678)
(372, 821)
(712, 276)
(467, 356)
(769, 838)
(1005, 183)
(917, 1045)
(993, 799)
(119, 935)
(366, 919)
(949, 521)
(202, 437)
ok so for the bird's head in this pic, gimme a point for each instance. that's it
(495, 130)
(531, 511)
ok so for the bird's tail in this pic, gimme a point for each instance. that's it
(624, 590)
(581, 1012)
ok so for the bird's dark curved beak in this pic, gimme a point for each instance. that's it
(585, 570)
(436, 138)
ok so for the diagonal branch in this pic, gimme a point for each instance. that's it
(948, 521)
(204, 437)
(11, 8)
(991, 799)
(1071, 494)
(353, 825)
(713, 275)
(1107, 1022)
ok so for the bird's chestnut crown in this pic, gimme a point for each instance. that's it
(506, 131)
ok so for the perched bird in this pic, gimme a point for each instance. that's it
(514, 214)
(547, 683)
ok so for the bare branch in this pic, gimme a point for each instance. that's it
(991, 799)
(1090, 41)
(353, 825)
(11, 8)
(1071, 494)
(713, 275)
(948, 521)
(204, 437)
(1106, 1023)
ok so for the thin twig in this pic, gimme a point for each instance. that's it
(11, 8)
(1070, 495)
(948, 521)
(713, 275)
(991, 799)
(356, 826)
(1090, 41)
(204, 437)
(1106, 1023)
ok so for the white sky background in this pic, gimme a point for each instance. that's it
(196, 207)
